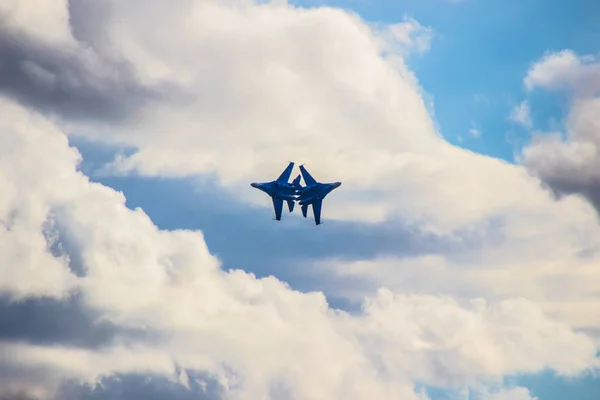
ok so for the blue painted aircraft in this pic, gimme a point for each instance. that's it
(313, 194)
(280, 190)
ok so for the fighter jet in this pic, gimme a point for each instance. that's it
(313, 194)
(280, 190)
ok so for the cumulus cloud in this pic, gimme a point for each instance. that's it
(333, 84)
(269, 79)
(252, 335)
(273, 91)
(565, 70)
(246, 74)
(556, 270)
(200, 87)
(569, 162)
(22, 236)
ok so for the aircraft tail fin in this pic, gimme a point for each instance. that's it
(291, 205)
(296, 182)
(308, 179)
(285, 175)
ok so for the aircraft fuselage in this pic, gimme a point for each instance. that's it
(317, 191)
(277, 190)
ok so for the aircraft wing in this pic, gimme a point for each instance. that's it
(316, 206)
(285, 175)
(308, 179)
(278, 206)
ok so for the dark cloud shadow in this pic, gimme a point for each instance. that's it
(566, 185)
(148, 387)
(48, 321)
(18, 396)
(76, 84)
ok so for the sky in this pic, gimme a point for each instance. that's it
(459, 260)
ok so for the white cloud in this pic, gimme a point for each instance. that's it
(26, 200)
(48, 20)
(565, 70)
(265, 80)
(554, 67)
(521, 114)
(258, 85)
(459, 341)
(216, 321)
(318, 82)
(549, 274)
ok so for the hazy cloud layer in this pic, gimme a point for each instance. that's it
(521, 114)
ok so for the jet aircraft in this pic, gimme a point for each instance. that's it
(313, 194)
(280, 190)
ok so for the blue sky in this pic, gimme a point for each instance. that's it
(474, 71)
(197, 119)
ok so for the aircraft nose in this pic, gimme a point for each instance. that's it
(337, 184)
(254, 185)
